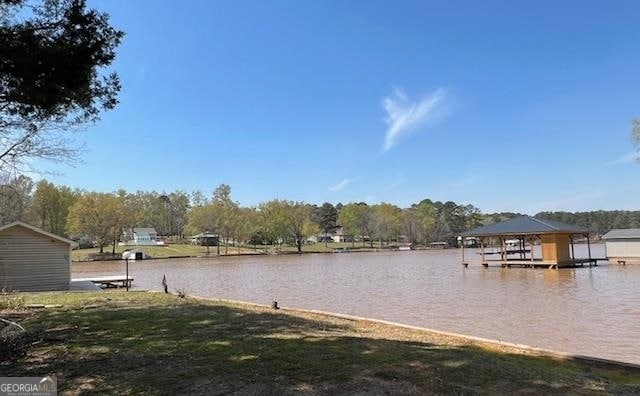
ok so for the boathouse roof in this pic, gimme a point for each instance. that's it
(526, 225)
(622, 233)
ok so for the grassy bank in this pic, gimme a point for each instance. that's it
(330, 247)
(178, 250)
(114, 342)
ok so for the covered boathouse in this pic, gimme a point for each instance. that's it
(556, 242)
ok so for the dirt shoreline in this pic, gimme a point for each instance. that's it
(501, 346)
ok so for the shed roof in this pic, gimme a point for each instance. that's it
(39, 231)
(622, 233)
(526, 225)
(144, 230)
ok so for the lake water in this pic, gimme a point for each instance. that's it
(592, 311)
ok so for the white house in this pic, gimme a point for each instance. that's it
(623, 245)
(140, 236)
(32, 259)
(336, 236)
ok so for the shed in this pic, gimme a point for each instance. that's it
(32, 259)
(135, 254)
(623, 245)
(556, 240)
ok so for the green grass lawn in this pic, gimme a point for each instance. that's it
(127, 343)
(161, 251)
(193, 250)
(330, 247)
(319, 247)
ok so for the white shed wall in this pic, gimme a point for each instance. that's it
(623, 248)
(30, 261)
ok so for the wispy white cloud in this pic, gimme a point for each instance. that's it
(625, 159)
(343, 183)
(405, 115)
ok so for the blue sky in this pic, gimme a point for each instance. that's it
(510, 106)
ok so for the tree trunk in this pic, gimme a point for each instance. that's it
(299, 244)
(325, 238)
(101, 248)
(226, 245)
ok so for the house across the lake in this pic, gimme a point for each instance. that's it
(336, 236)
(32, 259)
(140, 236)
(623, 245)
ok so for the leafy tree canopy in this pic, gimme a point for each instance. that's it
(52, 56)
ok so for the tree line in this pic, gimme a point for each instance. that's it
(101, 217)
(599, 221)
(55, 78)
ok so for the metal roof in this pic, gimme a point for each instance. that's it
(39, 231)
(144, 230)
(622, 233)
(526, 225)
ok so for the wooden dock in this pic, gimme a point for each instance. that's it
(113, 281)
(591, 262)
(507, 252)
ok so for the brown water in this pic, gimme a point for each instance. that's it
(591, 311)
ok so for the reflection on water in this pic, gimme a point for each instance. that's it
(591, 311)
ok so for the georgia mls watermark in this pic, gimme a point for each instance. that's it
(29, 386)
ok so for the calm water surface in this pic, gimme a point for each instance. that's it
(592, 311)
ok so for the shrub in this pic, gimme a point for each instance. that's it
(10, 300)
